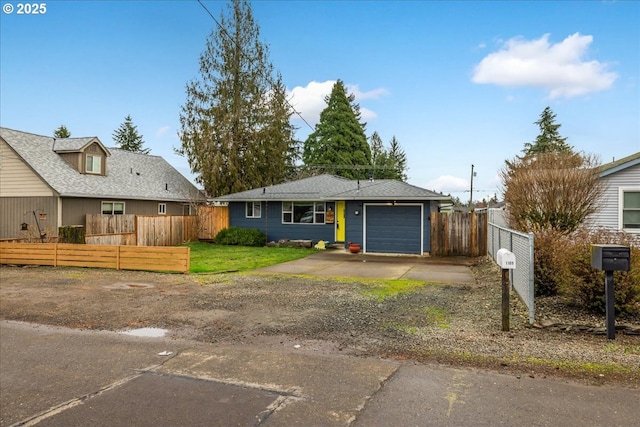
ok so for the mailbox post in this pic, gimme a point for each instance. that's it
(610, 258)
(507, 261)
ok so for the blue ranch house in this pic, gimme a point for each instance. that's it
(383, 216)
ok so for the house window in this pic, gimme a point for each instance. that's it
(162, 208)
(303, 212)
(94, 164)
(112, 208)
(631, 210)
(253, 209)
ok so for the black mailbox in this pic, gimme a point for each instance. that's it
(611, 257)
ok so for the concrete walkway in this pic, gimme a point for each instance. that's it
(339, 263)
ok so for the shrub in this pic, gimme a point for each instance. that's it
(241, 237)
(583, 286)
(562, 266)
(551, 248)
(71, 234)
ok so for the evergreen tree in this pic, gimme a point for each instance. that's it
(387, 163)
(398, 160)
(275, 152)
(234, 125)
(62, 132)
(379, 157)
(127, 137)
(549, 139)
(339, 138)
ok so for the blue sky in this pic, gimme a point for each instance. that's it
(457, 83)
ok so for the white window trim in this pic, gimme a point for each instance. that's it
(86, 166)
(253, 205)
(162, 208)
(621, 191)
(124, 207)
(314, 203)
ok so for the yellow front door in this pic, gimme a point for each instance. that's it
(340, 222)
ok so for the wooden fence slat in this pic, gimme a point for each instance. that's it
(103, 256)
(458, 234)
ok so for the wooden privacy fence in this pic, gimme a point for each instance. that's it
(212, 219)
(169, 230)
(458, 234)
(156, 230)
(166, 259)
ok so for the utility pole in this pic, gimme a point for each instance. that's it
(471, 196)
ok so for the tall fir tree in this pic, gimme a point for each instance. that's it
(398, 160)
(62, 132)
(235, 129)
(127, 137)
(387, 163)
(339, 139)
(379, 157)
(549, 139)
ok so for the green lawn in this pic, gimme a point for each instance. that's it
(211, 258)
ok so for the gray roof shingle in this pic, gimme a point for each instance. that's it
(330, 187)
(74, 144)
(129, 175)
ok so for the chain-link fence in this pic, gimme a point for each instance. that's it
(521, 244)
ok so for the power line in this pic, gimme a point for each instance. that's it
(269, 78)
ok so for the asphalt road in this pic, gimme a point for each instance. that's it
(60, 377)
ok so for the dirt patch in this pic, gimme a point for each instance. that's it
(456, 324)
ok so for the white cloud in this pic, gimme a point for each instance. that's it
(448, 184)
(560, 69)
(162, 131)
(309, 100)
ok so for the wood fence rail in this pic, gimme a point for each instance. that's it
(156, 230)
(459, 234)
(165, 259)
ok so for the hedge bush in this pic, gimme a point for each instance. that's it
(241, 237)
(562, 267)
(71, 234)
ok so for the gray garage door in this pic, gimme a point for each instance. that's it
(393, 229)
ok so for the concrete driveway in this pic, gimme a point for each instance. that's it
(339, 263)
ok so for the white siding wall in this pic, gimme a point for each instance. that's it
(17, 179)
(609, 212)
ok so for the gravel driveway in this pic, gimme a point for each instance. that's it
(458, 324)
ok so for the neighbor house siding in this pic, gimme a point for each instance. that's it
(75, 209)
(17, 179)
(18, 210)
(270, 223)
(608, 214)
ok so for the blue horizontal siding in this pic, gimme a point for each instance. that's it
(271, 224)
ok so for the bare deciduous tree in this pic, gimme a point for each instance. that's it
(556, 190)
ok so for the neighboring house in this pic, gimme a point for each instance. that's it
(59, 181)
(384, 216)
(620, 204)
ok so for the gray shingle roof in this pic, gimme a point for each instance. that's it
(74, 144)
(330, 187)
(129, 175)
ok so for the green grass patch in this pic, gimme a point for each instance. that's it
(211, 258)
(383, 289)
(438, 316)
(624, 349)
